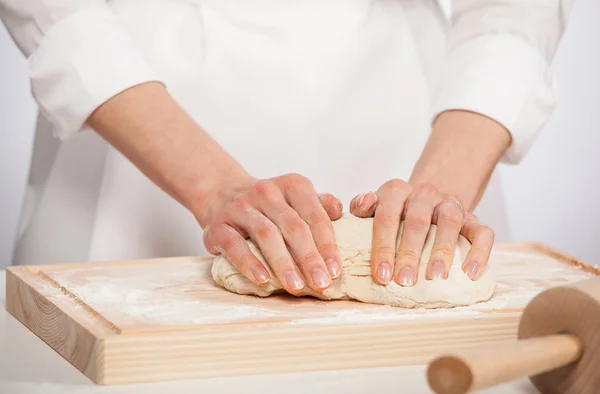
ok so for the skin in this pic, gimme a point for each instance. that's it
(149, 128)
(445, 186)
(288, 219)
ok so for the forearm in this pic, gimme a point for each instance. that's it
(149, 128)
(461, 154)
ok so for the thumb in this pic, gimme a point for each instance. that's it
(333, 206)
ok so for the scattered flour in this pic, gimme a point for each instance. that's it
(183, 294)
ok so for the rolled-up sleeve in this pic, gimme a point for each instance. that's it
(498, 64)
(79, 56)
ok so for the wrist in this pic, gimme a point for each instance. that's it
(460, 155)
(206, 198)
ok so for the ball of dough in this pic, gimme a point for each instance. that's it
(354, 236)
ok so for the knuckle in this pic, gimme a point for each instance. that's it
(450, 214)
(386, 216)
(296, 227)
(296, 180)
(316, 218)
(417, 221)
(447, 198)
(443, 251)
(385, 250)
(230, 241)
(388, 220)
(265, 190)
(216, 231)
(240, 203)
(408, 255)
(427, 188)
(397, 185)
(246, 260)
(310, 259)
(281, 263)
(265, 230)
(327, 248)
(487, 234)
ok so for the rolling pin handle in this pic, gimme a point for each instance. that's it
(473, 370)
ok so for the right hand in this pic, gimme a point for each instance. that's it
(289, 222)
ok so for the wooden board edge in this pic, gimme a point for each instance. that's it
(236, 351)
(36, 312)
(35, 282)
(554, 253)
(154, 260)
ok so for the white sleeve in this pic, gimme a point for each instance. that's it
(498, 64)
(78, 56)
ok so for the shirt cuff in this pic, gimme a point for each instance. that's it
(504, 79)
(82, 61)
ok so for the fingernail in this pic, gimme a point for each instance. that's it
(471, 270)
(384, 273)
(333, 267)
(260, 275)
(437, 270)
(320, 278)
(294, 281)
(406, 276)
(359, 200)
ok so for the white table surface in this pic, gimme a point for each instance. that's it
(28, 365)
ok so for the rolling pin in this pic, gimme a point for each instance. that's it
(558, 348)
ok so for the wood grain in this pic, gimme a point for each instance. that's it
(474, 370)
(573, 309)
(558, 348)
(79, 341)
(184, 326)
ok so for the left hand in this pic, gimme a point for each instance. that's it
(420, 206)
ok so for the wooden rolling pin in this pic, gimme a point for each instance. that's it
(558, 348)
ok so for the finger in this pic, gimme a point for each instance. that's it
(332, 205)
(448, 216)
(302, 197)
(270, 242)
(297, 236)
(417, 223)
(482, 241)
(386, 224)
(364, 205)
(224, 239)
(297, 233)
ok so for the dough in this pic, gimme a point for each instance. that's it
(354, 240)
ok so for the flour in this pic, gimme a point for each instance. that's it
(172, 294)
(161, 296)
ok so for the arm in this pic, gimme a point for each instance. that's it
(461, 154)
(496, 93)
(149, 128)
(86, 71)
(153, 132)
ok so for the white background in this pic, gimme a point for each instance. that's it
(552, 196)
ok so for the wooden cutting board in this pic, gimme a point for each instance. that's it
(165, 319)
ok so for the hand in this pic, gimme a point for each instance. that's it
(278, 214)
(419, 207)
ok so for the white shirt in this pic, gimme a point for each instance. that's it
(492, 58)
(498, 49)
